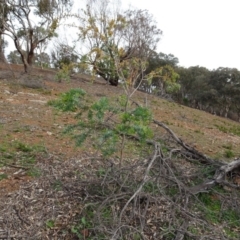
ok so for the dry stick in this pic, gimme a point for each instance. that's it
(145, 179)
(219, 174)
(130, 227)
(218, 178)
(184, 145)
(181, 232)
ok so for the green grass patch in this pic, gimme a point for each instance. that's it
(151, 187)
(50, 223)
(3, 176)
(214, 212)
(229, 153)
(21, 155)
(19, 146)
(229, 129)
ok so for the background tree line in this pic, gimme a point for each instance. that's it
(215, 91)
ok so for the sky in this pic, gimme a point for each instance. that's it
(197, 32)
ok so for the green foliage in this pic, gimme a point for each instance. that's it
(84, 223)
(69, 101)
(208, 171)
(3, 176)
(234, 129)
(50, 223)
(98, 110)
(134, 123)
(63, 74)
(64, 58)
(34, 172)
(231, 234)
(151, 187)
(116, 55)
(211, 207)
(57, 185)
(228, 153)
(172, 191)
(22, 147)
(104, 136)
(215, 213)
(21, 155)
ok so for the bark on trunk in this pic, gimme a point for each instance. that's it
(105, 76)
(2, 56)
(113, 82)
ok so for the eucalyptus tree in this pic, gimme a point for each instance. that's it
(166, 63)
(4, 11)
(63, 54)
(118, 43)
(14, 57)
(3, 44)
(31, 22)
(224, 80)
(194, 85)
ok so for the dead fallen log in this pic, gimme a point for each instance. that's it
(222, 169)
(220, 178)
(202, 158)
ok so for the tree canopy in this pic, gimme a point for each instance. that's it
(113, 37)
(30, 23)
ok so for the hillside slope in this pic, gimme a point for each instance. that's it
(31, 139)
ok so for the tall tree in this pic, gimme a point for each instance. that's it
(63, 54)
(31, 22)
(114, 38)
(14, 57)
(193, 81)
(4, 11)
(222, 80)
(42, 60)
(167, 63)
(3, 45)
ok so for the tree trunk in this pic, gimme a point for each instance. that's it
(27, 66)
(2, 56)
(113, 82)
(104, 75)
(31, 56)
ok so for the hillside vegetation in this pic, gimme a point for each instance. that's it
(172, 174)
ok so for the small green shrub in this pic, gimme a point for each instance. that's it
(22, 147)
(64, 73)
(211, 207)
(108, 139)
(227, 146)
(85, 222)
(34, 172)
(70, 101)
(228, 153)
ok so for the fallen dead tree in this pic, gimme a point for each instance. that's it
(222, 169)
